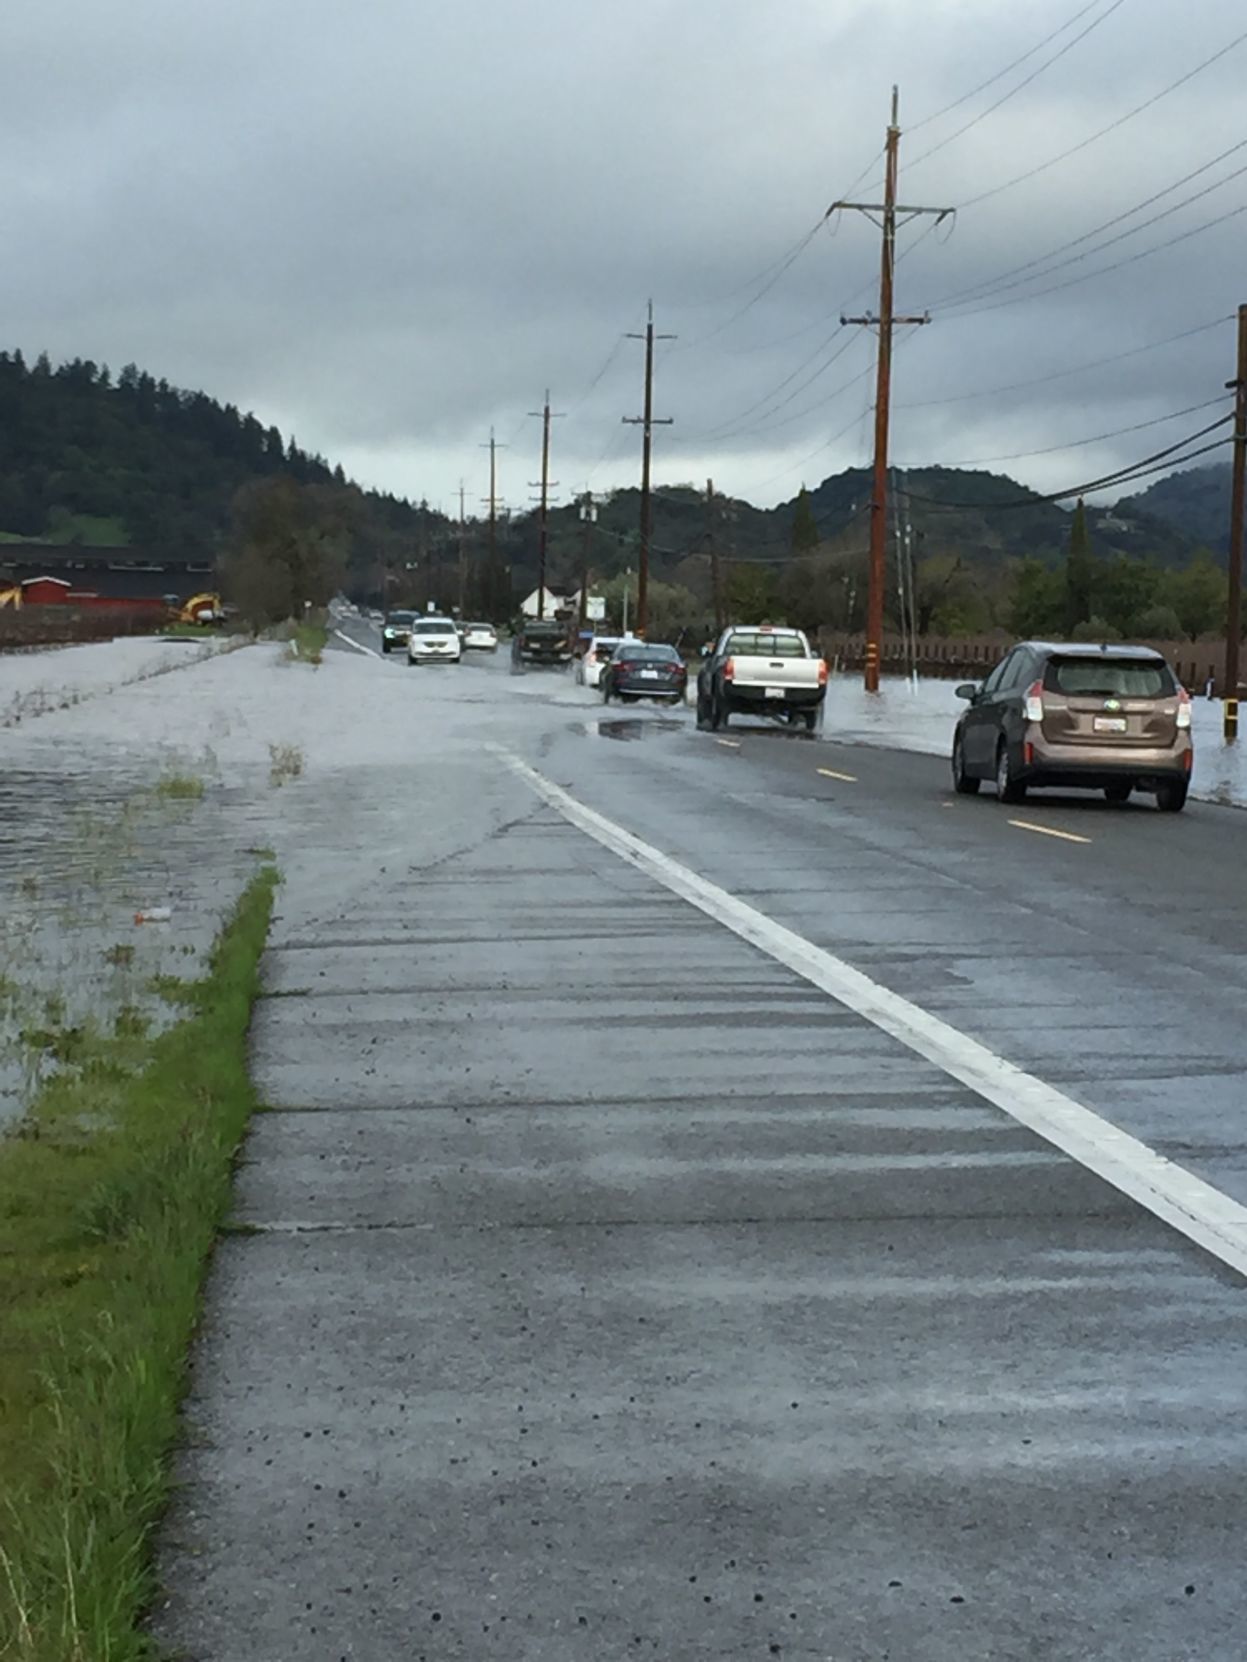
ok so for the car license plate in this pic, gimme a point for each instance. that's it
(649, 675)
(1109, 724)
(773, 692)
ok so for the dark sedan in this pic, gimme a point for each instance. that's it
(638, 670)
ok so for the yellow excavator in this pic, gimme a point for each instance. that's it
(200, 608)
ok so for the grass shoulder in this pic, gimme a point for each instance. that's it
(112, 1193)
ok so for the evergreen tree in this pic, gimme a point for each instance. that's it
(804, 526)
(1078, 571)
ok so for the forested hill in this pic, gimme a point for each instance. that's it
(86, 456)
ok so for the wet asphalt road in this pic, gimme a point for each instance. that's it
(615, 1292)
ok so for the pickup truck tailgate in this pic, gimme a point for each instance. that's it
(782, 673)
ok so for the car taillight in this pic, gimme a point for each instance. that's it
(729, 670)
(1184, 709)
(822, 672)
(1032, 704)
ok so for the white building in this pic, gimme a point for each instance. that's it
(553, 603)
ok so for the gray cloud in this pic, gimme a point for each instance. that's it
(388, 225)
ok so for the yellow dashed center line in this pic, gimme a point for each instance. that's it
(830, 773)
(1048, 831)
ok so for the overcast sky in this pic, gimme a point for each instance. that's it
(388, 224)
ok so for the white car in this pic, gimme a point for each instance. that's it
(433, 640)
(481, 636)
(589, 665)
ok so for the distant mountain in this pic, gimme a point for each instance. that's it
(985, 518)
(1195, 503)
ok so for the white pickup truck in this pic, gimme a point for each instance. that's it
(760, 670)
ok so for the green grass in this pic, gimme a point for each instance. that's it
(308, 641)
(92, 530)
(111, 1196)
(180, 787)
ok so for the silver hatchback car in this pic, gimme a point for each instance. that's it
(1110, 718)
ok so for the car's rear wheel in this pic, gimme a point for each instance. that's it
(703, 712)
(810, 718)
(720, 715)
(385, 647)
(1008, 789)
(1171, 796)
(963, 783)
(1118, 793)
(606, 692)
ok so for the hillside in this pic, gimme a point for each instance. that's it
(1196, 503)
(91, 459)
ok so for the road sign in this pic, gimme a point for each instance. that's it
(595, 608)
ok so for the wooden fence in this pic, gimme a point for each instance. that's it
(969, 657)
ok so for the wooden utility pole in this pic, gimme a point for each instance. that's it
(497, 599)
(588, 514)
(885, 323)
(716, 571)
(647, 422)
(463, 554)
(1234, 620)
(543, 516)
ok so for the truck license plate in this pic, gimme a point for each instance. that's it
(773, 692)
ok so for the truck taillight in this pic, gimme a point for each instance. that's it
(822, 672)
(729, 670)
(1184, 709)
(1032, 705)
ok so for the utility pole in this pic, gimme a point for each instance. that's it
(1234, 621)
(588, 515)
(647, 422)
(543, 519)
(885, 323)
(463, 555)
(716, 571)
(495, 576)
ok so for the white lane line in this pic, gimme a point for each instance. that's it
(830, 773)
(729, 744)
(356, 644)
(1048, 831)
(1206, 1216)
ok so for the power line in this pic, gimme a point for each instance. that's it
(994, 284)
(1007, 70)
(1074, 369)
(1158, 462)
(1104, 270)
(989, 290)
(1021, 86)
(1078, 444)
(1103, 132)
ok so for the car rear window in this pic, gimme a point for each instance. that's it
(648, 654)
(762, 645)
(1109, 677)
